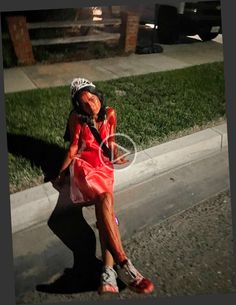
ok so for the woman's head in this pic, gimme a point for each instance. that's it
(89, 102)
(86, 100)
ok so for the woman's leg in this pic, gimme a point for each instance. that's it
(108, 229)
(105, 223)
(106, 254)
(112, 246)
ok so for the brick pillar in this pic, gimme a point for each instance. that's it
(20, 39)
(130, 27)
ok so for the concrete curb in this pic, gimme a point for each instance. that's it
(35, 205)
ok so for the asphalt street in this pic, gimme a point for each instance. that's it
(190, 253)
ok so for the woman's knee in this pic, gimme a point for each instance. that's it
(105, 198)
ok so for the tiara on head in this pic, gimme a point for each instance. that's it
(78, 84)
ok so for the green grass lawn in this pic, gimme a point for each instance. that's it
(150, 109)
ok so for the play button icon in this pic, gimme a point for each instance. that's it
(126, 151)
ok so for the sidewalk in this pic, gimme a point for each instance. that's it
(173, 57)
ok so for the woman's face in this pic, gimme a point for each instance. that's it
(90, 103)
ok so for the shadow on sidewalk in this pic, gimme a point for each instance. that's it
(47, 156)
(68, 223)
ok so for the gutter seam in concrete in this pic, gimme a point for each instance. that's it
(221, 135)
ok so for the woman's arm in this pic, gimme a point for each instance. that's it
(111, 117)
(75, 128)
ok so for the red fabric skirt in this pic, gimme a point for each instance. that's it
(89, 176)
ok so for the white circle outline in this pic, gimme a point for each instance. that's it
(119, 134)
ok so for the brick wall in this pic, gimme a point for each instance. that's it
(20, 39)
(130, 27)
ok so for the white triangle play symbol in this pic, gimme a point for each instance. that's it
(126, 152)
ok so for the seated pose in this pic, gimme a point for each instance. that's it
(92, 180)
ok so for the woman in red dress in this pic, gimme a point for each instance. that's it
(92, 180)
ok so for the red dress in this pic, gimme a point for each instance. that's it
(91, 172)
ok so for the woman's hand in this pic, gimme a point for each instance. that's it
(59, 181)
(120, 160)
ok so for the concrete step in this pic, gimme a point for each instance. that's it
(76, 39)
(79, 23)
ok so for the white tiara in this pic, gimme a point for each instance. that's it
(79, 83)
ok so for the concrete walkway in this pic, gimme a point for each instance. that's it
(173, 57)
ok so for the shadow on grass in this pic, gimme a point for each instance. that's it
(46, 156)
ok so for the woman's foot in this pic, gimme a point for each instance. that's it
(108, 281)
(133, 279)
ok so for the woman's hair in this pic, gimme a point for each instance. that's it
(76, 103)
